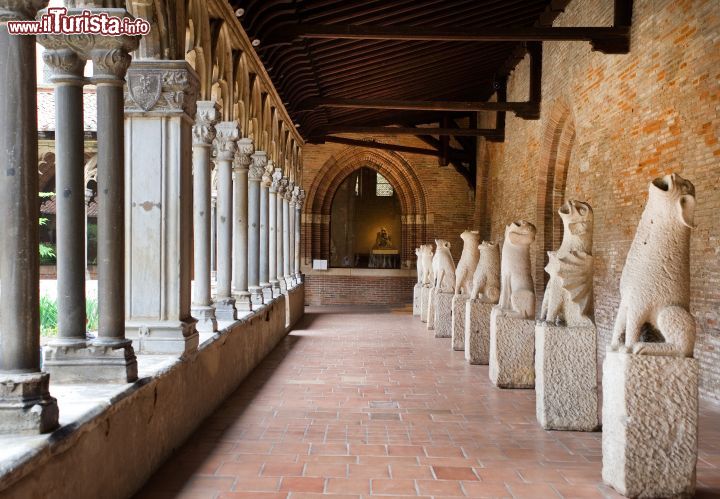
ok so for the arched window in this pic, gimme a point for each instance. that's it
(365, 222)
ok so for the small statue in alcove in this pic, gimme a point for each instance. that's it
(383, 240)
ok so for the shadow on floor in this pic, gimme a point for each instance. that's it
(209, 437)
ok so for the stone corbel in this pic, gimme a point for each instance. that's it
(166, 87)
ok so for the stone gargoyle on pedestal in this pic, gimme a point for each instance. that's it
(517, 292)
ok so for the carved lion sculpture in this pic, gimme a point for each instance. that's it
(486, 280)
(568, 297)
(517, 293)
(468, 262)
(426, 258)
(443, 267)
(655, 282)
(418, 264)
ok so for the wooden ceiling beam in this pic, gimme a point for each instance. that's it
(410, 105)
(603, 38)
(373, 144)
(392, 130)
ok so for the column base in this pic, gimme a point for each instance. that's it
(225, 309)
(458, 322)
(432, 298)
(256, 296)
(424, 303)
(477, 331)
(163, 337)
(566, 377)
(100, 361)
(283, 285)
(417, 291)
(650, 424)
(267, 292)
(289, 282)
(26, 406)
(442, 302)
(205, 315)
(243, 302)
(512, 351)
(299, 278)
(276, 290)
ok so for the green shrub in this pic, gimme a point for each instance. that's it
(92, 314)
(48, 316)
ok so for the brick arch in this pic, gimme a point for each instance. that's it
(390, 165)
(557, 143)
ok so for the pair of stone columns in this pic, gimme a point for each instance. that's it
(71, 357)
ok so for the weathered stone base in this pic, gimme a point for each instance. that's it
(458, 322)
(267, 292)
(97, 362)
(276, 290)
(163, 337)
(289, 284)
(282, 284)
(424, 302)
(256, 296)
(225, 309)
(432, 299)
(477, 331)
(26, 406)
(566, 377)
(442, 303)
(650, 425)
(512, 351)
(417, 292)
(206, 321)
(243, 302)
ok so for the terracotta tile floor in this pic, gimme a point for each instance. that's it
(360, 401)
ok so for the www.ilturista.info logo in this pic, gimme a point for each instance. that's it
(57, 21)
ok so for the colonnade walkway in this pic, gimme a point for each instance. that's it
(360, 401)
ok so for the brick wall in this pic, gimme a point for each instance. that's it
(609, 125)
(358, 290)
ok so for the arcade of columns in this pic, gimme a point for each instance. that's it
(166, 115)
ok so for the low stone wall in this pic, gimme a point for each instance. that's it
(115, 449)
(359, 290)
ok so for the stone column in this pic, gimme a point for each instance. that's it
(213, 231)
(281, 190)
(298, 219)
(291, 232)
(265, 232)
(63, 351)
(110, 57)
(273, 235)
(25, 402)
(203, 135)
(257, 168)
(225, 139)
(240, 227)
(286, 235)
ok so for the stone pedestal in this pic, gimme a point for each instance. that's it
(566, 383)
(458, 322)
(431, 309)
(424, 302)
(477, 331)
(97, 363)
(159, 205)
(442, 303)
(650, 424)
(26, 406)
(417, 292)
(512, 351)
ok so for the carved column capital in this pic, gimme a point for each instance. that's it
(226, 136)
(300, 200)
(205, 118)
(267, 173)
(275, 180)
(67, 66)
(168, 87)
(289, 190)
(257, 167)
(245, 148)
(282, 185)
(19, 10)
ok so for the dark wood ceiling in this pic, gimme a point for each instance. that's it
(304, 69)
